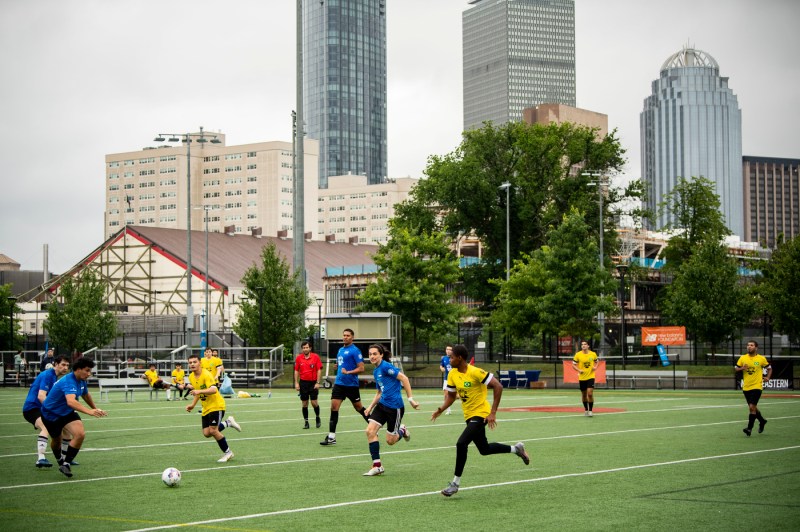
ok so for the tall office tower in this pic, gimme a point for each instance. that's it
(691, 126)
(344, 66)
(517, 54)
(771, 199)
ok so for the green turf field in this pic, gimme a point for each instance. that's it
(659, 461)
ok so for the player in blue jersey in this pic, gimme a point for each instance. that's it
(445, 367)
(31, 409)
(349, 362)
(387, 407)
(59, 412)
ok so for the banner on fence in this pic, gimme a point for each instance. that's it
(565, 345)
(571, 376)
(664, 335)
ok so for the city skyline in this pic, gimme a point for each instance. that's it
(86, 78)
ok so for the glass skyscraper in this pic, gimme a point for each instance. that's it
(517, 54)
(691, 126)
(344, 66)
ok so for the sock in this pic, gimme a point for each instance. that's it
(457, 480)
(65, 446)
(751, 420)
(591, 405)
(759, 417)
(375, 451)
(41, 446)
(59, 457)
(316, 411)
(401, 432)
(169, 394)
(223, 445)
(305, 413)
(333, 422)
(72, 452)
(586, 405)
(365, 416)
(222, 426)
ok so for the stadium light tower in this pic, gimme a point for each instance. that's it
(599, 181)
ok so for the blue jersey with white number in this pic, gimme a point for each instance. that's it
(349, 358)
(445, 363)
(55, 406)
(387, 382)
(44, 381)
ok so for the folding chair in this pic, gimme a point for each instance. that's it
(505, 378)
(522, 379)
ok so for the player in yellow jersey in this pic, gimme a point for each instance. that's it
(213, 365)
(205, 390)
(470, 384)
(155, 381)
(752, 365)
(179, 381)
(585, 363)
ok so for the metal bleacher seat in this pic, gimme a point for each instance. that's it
(505, 378)
(522, 379)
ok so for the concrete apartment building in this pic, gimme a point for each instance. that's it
(771, 199)
(246, 186)
(556, 113)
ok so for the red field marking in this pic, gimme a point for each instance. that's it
(576, 409)
(782, 395)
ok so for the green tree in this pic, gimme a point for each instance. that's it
(80, 320)
(780, 286)
(461, 194)
(697, 218)
(8, 308)
(416, 271)
(559, 288)
(707, 296)
(282, 301)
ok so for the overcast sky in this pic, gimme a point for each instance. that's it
(84, 78)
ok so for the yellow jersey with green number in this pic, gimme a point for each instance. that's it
(585, 363)
(213, 402)
(471, 388)
(178, 376)
(211, 364)
(753, 372)
(152, 376)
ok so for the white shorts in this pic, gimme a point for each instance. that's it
(444, 385)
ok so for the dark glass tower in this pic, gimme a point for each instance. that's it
(344, 65)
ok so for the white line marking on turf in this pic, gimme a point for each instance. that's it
(483, 486)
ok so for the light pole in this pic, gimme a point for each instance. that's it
(187, 138)
(320, 301)
(622, 268)
(205, 209)
(507, 187)
(12, 303)
(601, 320)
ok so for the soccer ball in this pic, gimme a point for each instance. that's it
(171, 477)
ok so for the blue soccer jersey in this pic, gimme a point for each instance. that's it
(390, 387)
(349, 358)
(44, 381)
(445, 363)
(55, 406)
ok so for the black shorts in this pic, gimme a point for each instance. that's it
(307, 391)
(346, 392)
(586, 384)
(160, 385)
(32, 415)
(391, 417)
(54, 428)
(752, 396)
(213, 419)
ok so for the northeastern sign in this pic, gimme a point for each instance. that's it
(664, 335)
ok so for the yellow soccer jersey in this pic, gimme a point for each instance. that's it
(178, 376)
(211, 364)
(471, 388)
(152, 376)
(753, 372)
(213, 402)
(585, 363)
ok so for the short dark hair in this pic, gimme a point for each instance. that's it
(385, 353)
(461, 351)
(350, 330)
(193, 355)
(59, 359)
(178, 364)
(83, 362)
(304, 343)
(753, 341)
(152, 364)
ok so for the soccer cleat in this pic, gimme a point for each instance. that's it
(43, 462)
(761, 426)
(585, 413)
(319, 422)
(328, 441)
(306, 425)
(377, 470)
(450, 490)
(406, 434)
(747, 431)
(233, 424)
(519, 450)
(73, 463)
(226, 457)
(589, 413)
(65, 469)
